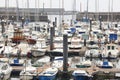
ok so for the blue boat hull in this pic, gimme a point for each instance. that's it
(47, 77)
(82, 78)
(16, 64)
(106, 66)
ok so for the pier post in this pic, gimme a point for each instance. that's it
(55, 21)
(65, 53)
(84, 42)
(100, 23)
(54, 28)
(91, 56)
(90, 24)
(23, 21)
(51, 38)
(3, 24)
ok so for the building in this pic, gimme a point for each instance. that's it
(104, 16)
(29, 13)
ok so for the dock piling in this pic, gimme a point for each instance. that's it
(3, 24)
(51, 38)
(65, 53)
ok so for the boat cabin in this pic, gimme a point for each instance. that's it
(17, 36)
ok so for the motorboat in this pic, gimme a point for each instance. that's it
(84, 64)
(16, 62)
(41, 62)
(105, 64)
(81, 75)
(48, 74)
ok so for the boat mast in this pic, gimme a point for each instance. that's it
(96, 18)
(60, 24)
(38, 10)
(80, 7)
(98, 10)
(109, 11)
(6, 8)
(50, 7)
(87, 9)
(23, 14)
(35, 16)
(28, 15)
(17, 11)
(62, 16)
(62, 12)
(74, 10)
(43, 8)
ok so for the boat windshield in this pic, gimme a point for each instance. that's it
(49, 72)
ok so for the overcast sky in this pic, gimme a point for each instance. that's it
(102, 5)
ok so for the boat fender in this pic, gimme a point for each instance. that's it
(67, 64)
(29, 54)
(99, 40)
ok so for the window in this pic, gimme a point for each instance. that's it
(113, 47)
(108, 47)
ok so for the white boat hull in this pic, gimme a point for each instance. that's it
(37, 53)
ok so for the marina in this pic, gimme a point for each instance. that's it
(47, 43)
